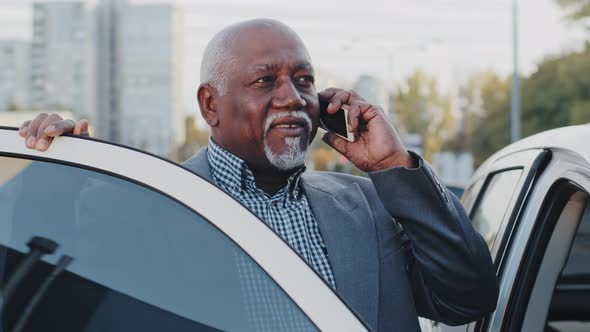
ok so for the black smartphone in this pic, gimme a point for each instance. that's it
(336, 123)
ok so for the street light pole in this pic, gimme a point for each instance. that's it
(515, 100)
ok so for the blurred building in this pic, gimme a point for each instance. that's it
(373, 90)
(454, 168)
(62, 57)
(15, 119)
(108, 118)
(326, 79)
(14, 74)
(413, 141)
(140, 81)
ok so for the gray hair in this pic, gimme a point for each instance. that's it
(217, 59)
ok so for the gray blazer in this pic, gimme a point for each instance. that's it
(428, 262)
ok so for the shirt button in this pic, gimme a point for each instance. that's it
(273, 203)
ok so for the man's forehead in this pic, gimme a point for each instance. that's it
(264, 43)
(263, 67)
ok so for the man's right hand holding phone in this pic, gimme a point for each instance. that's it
(40, 132)
(378, 145)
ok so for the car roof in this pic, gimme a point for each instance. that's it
(572, 138)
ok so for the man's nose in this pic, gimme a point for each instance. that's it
(287, 97)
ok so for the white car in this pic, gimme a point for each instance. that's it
(530, 201)
(99, 237)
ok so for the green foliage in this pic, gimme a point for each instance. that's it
(577, 9)
(13, 107)
(556, 95)
(580, 112)
(420, 108)
(487, 115)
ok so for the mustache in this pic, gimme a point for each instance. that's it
(294, 114)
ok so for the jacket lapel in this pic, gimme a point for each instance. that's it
(348, 231)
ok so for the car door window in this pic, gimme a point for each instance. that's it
(471, 194)
(493, 203)
(547, 241)
(141, 260)
(570, 304)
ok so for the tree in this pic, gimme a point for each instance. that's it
(13, 107)
(420, 108)
(323, 158)
(491, 131)
(194, 140)
(580, 112)
(578, 10)
(485, 127)
(558, 93)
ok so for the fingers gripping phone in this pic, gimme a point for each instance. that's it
(335, 123)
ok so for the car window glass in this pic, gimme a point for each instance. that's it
(489, 212)
(578, 263)
(468, 198)
(141, 261)
(570, 303)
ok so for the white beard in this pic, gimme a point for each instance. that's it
(295, 155)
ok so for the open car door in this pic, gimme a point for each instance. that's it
(100, 237)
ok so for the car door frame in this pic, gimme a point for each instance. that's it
(531, 235)
(299, 281)
(532, 162)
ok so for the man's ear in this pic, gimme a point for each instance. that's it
(206, 95)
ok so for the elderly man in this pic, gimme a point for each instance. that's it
(395, 246)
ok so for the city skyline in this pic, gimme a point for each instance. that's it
(118, 65)
(146, 82)
(450, 39)
(457, 30)
(61, 58)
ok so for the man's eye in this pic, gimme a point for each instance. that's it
(265, 79)
(306, 80)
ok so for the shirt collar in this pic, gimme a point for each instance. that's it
(232, 173)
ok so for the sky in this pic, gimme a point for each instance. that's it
(448, 39)
(390, 39)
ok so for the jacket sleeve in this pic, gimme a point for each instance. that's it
(452, 274)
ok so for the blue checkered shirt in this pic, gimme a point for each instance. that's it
(287, 211)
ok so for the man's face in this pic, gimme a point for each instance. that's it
(269, 113)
